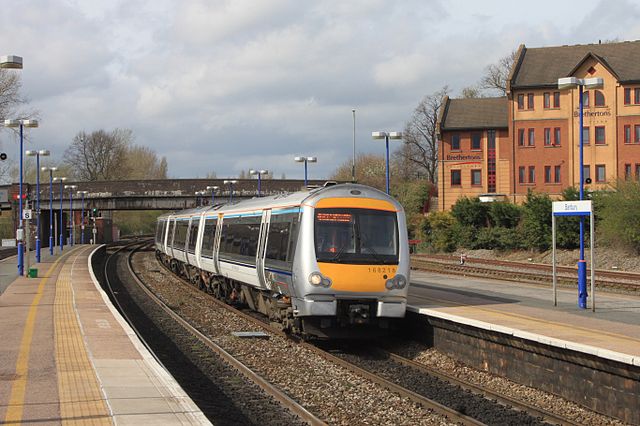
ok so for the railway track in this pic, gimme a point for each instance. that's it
(483, 401)
(227, 391)
(616, 281)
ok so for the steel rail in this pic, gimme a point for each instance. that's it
(270, 389)
(477, 389)
(421, 400)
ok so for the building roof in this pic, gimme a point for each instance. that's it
(543, 66)
(475, 113)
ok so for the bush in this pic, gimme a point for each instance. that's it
(413, 195)
(536, 222)
(504, 214)
(470, 212)
(438, 228)
(498, 238)
(620, 223)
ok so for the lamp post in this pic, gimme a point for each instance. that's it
(230, 183)
(61, 179)
(305, 160)
(213, 190)
(71, 188)
(82, 194)
(37, 154)
(259, 173)
(20, 237)
(386, 136)
(51, 239)
(199, 194)
(581, 83)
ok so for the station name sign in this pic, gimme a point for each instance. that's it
(459, 157)
(572, 208)
(602, 113)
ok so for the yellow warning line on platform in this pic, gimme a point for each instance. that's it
(81, 400)
(19, 385)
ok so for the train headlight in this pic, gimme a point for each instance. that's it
(315, 278)
(400, 280)
(390, 284)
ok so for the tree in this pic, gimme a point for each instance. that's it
(496, 75)
(471, 92)
(420, 148)
(10, 98)
(100, 155)
(370, 170)
(143, 164)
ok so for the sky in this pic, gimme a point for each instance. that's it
(228, 85)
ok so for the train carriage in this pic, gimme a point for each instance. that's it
(327, 262)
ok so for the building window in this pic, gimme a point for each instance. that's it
(532, 137)
(521, 101)
(521, 171)
(636, 131)
(547, 174)
(586, 172)
(556, 136)
(585, 135)
(600, 173)
(598, 98)
(532, 174)
(557, 174)
(547, 100)
(636, 95)
(476, 177)
(547, 137)
(627, 134)
(530, 101)
(556, 99)
(520, 137)
(456, 177)
(585, 99)
(455, 142)
(627, 171)
(475, 141)
(600, 135)
(627, 96)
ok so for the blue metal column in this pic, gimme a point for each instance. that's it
(386, 138)
(21, 227)
(582, 265)
(51, 212)
(61, 223)
(38, 206)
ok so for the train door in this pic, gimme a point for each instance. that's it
(216, 245)
(262, 249)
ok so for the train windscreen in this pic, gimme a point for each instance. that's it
(357, 236)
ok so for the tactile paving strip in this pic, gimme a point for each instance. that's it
(81, 399)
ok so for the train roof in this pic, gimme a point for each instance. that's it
(290, 199)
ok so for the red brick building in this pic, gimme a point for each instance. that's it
(500, 148)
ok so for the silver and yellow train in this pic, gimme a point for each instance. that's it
(327, 262)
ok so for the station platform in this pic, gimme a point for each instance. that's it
(526, 311)
(68, 357)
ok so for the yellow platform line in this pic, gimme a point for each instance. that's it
(81, 400)
(19, 385)
(571, 327)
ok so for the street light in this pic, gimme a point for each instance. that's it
(259, 173)
(71, 188)
(37, 154)
(305, 160)
(20, 237)
(230, 183)
(61, 179)
(581, 83)
(386, 136)
(213, 190)
(11, 62)
(199, 194)
(51, 239)
(82, 193)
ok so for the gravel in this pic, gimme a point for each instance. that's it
(330, 392)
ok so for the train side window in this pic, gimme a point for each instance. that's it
(180, 237)
(193, 234)
(281, 238)
(239, 238)
(172, 233)
(209, 237)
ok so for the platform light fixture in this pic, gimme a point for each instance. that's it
(230, 183)
(61, 179)
(259, 173)
(570, 83)
(213, 190)
(305, 160)
(21, 124)
(82, 194)
(71, 188)
(51, 238)
(386, 136)
(37, 154)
